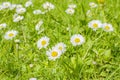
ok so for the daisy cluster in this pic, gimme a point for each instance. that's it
(96, 24)
(60, 48)
(57, 50)
(71, 9)
(47, 6)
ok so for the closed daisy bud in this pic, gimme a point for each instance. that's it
(31, 65)
(3, 25)
(77, 39)
(93, 5)
(17, 18)
(89, 13)
(17, 41)
(68, 28)
(61, 46)
(53, 54)
(6, 5)
(95, 24)
(10, 34)
(70, 11)
(37, 27)
(36, 12)
(48, 6)
(43, 42)
(28, 3)
(20, 10)
(107, 27)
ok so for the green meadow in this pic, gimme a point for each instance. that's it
(98, 58)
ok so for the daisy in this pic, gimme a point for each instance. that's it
(6, 5)
(48, 6)
(17, 18)
(61, 46)
(36, 12)
(77, 39)
(10, 34)
(70, 11)
(93, 5)
(43, 42)
(28, 3)
(33, 79)
(37, 27)
(72, 6)
(13, 6)
(3, 25)
(1, 7)
(20, 10)
(53, 54)
(19, 6)
(107, 27)
(95, 24)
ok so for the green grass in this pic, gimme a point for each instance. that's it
(77, 62)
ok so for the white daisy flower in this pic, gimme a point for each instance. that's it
(72, 6)
(53, 54)
(37, 27)
(19, 6)
(10, 34)
(77, 39)
(13, 6)
(43, 42)
(3, 25)
(28, 3)
(107, 27)
(20, 10)
(95, 24)
(70, 11)
(61, 46)
(33, 79)
(6, 5)
(36, 12)
(1, 7)
(93, 5)
(48, 6)
(17, 18)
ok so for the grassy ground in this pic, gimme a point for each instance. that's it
(97, 59)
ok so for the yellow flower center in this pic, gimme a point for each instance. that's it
(95, 25)
(10, 34)
(54, 54)
(43, 42)
(107, 27)
(77, 40)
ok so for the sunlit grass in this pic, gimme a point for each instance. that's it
(98, 58)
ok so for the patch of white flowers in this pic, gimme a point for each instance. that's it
(71, 9)
(96, 24)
